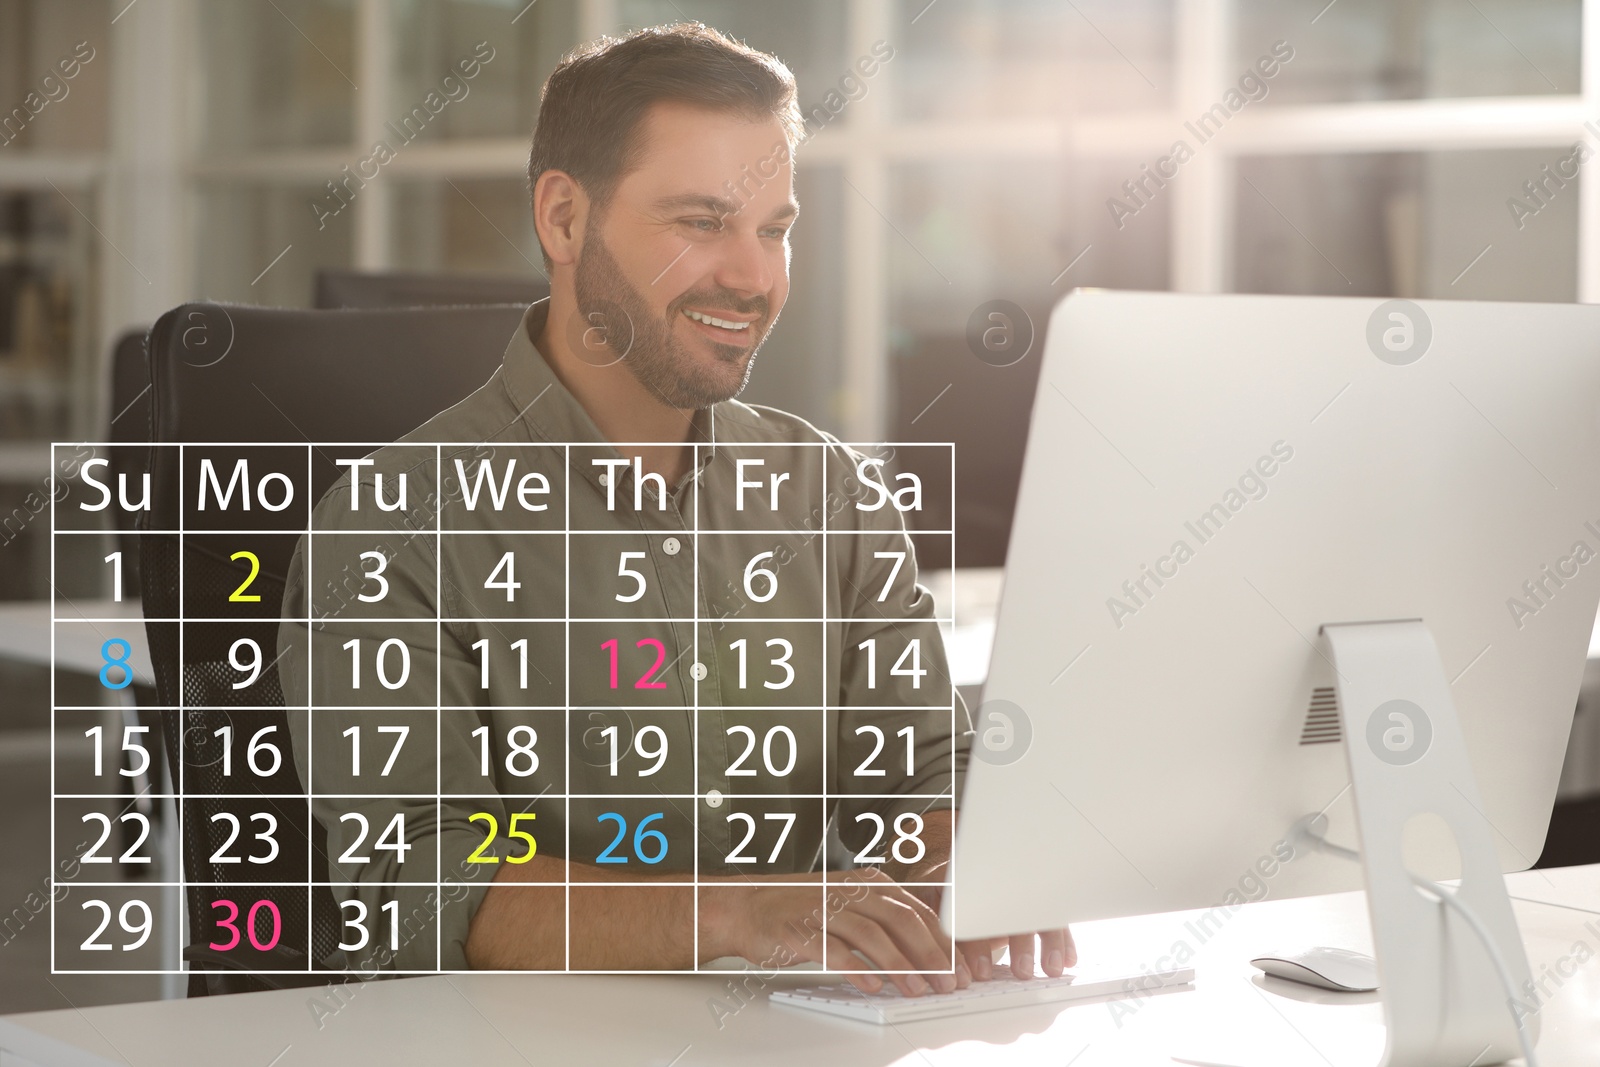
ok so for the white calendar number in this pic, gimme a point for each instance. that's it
(791, 749)
(140, 927)
(913, 652)
(780, 660)
(379, 563)
(115, 559)
(785, 817)
(504, 576)
(520, 646)
(894, 572)
(624, 571)
(641, 744)
(358, 924)
(140, 754)
(354, 734)
(752, 573)
(902, 836)
(266, 835)
(866, 769)
(521, 759)
(92, 856)
(257, 751)
(250, 665)
(353, 646)
(396, 830)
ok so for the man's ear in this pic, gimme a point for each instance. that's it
(560, 210)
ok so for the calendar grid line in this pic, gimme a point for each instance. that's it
(550, 620)
(352, 886)
(366, 447)
(344, 532)
(948, 893)
(311, 815)
(53, 783)
(438, 712)
(694, 596)
(566, 820)
(826, 816)
(183, 704)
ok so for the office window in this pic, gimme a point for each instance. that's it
(54, 92)
(261, 243)
(811, 38)
(501, 99)
(278, 75)
(34, 39)
(465, 225)
(1006, 59)
(1067, 102)
(1413, 225)
(1415, 49)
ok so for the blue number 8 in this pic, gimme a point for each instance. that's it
(116, 661)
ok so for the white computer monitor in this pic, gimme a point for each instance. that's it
(1210, 480)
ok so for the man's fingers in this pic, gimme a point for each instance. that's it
(860, 975)
(907, 920)
(1070, 947)
(979, 955)
(1053, 951)
(860, 932)
(1022, 955)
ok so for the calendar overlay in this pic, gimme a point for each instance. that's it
(381, 684)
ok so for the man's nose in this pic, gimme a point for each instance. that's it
(743, 265)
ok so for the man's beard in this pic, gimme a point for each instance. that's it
(655, 358)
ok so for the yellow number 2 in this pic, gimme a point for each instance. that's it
(239, 596)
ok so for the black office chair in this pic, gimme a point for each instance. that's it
(225, 373)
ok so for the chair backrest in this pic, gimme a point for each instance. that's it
(248, 375)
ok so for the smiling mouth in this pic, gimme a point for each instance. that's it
(729, 326)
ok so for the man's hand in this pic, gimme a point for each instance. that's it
(1055, 949)
(867, 913)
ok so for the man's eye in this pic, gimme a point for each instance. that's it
(705, 225)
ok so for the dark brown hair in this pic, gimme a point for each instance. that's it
(595, 100)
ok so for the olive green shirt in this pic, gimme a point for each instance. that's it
(516, 656)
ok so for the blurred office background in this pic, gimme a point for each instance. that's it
(187, 158)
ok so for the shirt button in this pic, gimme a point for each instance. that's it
(605, 479)
(714, 799)
(698, 672)
(670, 546)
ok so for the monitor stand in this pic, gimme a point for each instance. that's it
(1445, 1003)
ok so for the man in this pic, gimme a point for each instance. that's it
(662, 177)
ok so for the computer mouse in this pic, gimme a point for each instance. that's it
(1338, 969)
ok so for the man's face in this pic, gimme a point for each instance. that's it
(698, 230)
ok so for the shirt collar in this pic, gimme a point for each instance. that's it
(552, 414)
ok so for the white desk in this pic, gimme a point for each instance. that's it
(490, 1020)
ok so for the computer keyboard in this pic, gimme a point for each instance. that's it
(1001, 991)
